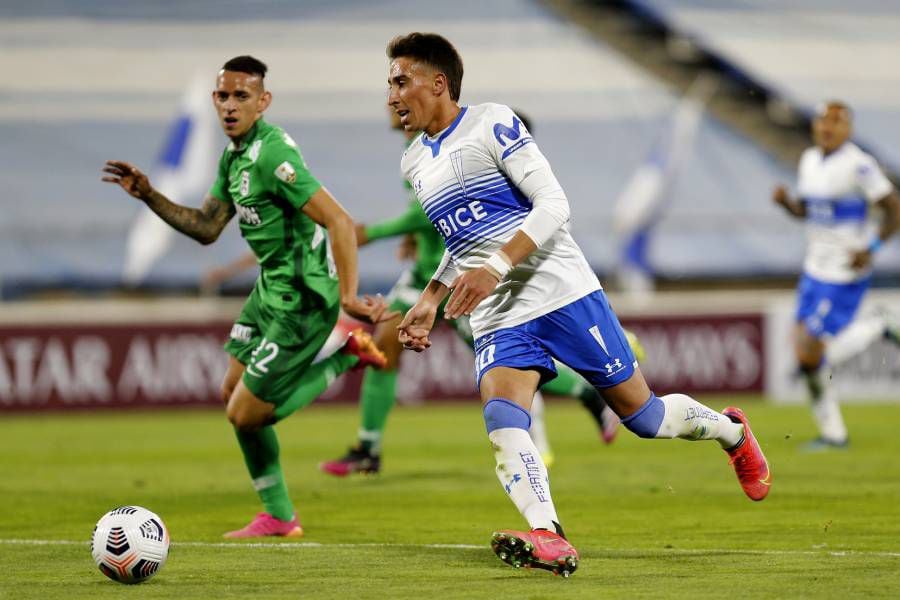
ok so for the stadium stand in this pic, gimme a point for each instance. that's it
(72, 104)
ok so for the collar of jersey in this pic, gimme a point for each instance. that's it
(823, 157)
(435, 145)
(250, 137)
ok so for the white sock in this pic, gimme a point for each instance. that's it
(373, 438)
(538, 431)
(858, 336)
(688, 419)
(825, 406)
(522, 473)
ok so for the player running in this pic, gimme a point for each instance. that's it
(513, 266)
(838, 185)
(378, 392)
(305, 244)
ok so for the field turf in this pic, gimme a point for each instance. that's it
(652, 519)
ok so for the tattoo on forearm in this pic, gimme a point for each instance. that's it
(203, 224)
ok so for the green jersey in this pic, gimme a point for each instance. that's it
(267, 181)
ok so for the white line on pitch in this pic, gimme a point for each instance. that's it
(605, 551)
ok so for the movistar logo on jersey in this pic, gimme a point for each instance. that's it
(502, 133)
(248, 215)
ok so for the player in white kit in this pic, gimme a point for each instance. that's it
(514, 268)
(838, 185)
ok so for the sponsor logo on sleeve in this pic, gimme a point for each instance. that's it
(286, 172)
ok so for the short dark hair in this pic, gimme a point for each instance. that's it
(246, 64)
(822, 108)
(433, 50)
(525, 120)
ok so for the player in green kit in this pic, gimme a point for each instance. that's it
(378, 393)
(305, 244)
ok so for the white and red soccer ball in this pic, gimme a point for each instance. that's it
(130, 544)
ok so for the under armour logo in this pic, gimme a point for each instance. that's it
(515, 479)
(614, 366)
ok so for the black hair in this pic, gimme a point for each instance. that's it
(838, 104)
(246, 64)
(433, 50)
(525, 120)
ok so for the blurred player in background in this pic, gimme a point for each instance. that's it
(513, 266)
(838, 185)
(378, 394)
(306, 247)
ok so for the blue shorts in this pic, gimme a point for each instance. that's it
(584, 335)
(826, 308)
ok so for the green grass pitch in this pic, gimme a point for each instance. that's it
(651, 518)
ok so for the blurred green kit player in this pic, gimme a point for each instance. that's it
(305, 244)
(379, 387)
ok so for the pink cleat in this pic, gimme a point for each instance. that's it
(361, 344)
(610, 427)
(264, 525)
(537, 548)
(748, 460)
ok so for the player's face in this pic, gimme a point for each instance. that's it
(240, 100)
(411, 93)
(831, 128)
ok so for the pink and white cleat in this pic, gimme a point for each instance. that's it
(537, 548)
(264, 525)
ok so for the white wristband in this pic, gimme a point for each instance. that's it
(498, 265)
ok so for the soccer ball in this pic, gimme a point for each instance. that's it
(130, 544)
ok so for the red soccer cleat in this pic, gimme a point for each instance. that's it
(749, 462)
(538, 548)
(264, 525)
(361, 344)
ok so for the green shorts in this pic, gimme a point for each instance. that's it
(277, 346)
(404, 295)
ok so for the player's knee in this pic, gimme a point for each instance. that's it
(242, 419)
(809, 357)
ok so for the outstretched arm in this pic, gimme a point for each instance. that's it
(793, 206)
(203, 224)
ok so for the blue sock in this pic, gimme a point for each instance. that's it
(500, 413)
(647, 420)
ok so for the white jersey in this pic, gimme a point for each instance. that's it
(837, 190)
(477, 181)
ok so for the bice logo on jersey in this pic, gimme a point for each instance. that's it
(247, 215)
(461, 217)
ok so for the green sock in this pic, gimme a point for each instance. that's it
(260, 450)
(314, 381)
(571, 384)
(379, 391)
